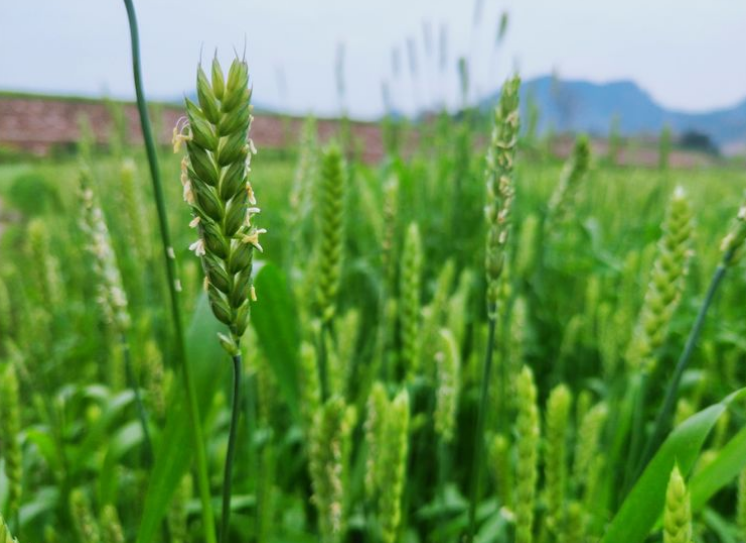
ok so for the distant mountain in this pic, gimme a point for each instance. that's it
(582, 106)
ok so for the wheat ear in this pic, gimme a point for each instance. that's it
(677, 514)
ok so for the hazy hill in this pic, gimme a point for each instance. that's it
(576, 105)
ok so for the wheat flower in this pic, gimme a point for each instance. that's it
(555, 459)
(666, 283)
(177, 519)
(377, 408)
(309, 386)
(215, 178)
(587, 442)
(6, 313)
(732, 244)
(500, 187)
(677, 514)
(112, 297)
(45, 271)
(330, 447)
(330, 201)
(562, 202)
(85, 524)
(10, 428)
(395, 443)
(435, 312)
(111, 527)
(301, 191)
(499, 455)
(390, 214)
(448, 362)
(138, 234)
(527, 444)
(410, 301)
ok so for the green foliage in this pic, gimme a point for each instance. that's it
(329, 454)
(33, 195)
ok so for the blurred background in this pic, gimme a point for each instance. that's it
(623, 72)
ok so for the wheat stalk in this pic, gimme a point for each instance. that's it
(500, 193)
(215, 179)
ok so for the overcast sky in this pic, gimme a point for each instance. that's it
(686, 53)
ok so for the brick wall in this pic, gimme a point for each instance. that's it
(38, 125)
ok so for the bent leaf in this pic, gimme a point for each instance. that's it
(725, 467)
(644, 504)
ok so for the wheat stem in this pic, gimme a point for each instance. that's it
(208, 521)
(141, 413)
(479, 429)
(229, 457)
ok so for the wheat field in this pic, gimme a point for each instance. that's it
(468, 340)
